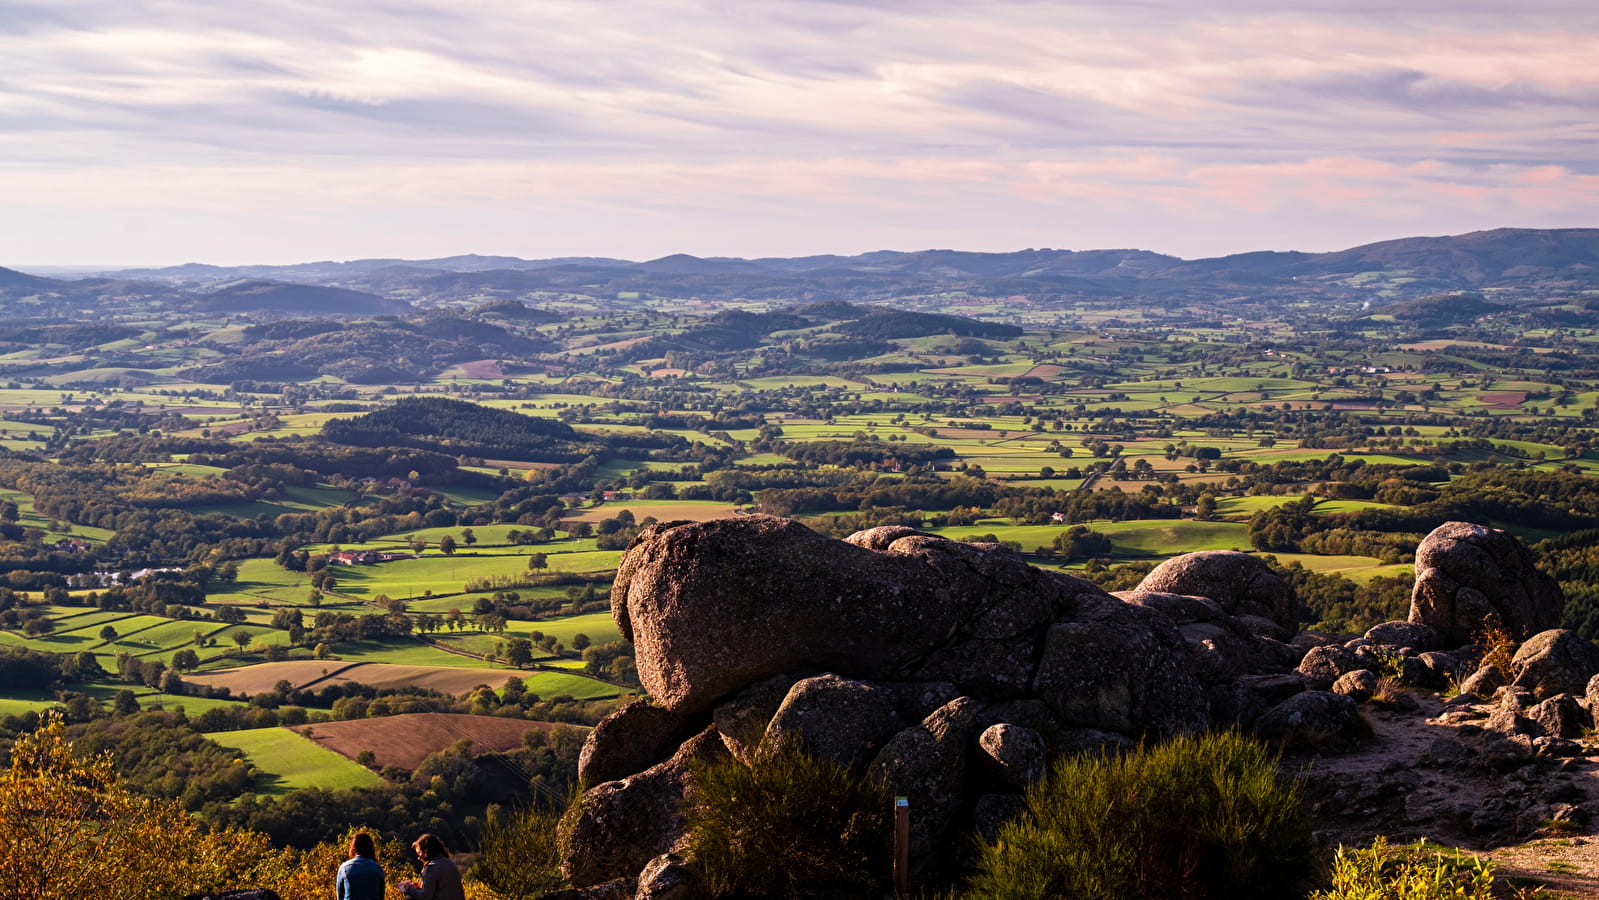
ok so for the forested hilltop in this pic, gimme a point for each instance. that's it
(266, 519)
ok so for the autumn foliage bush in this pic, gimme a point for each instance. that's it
(69, 830)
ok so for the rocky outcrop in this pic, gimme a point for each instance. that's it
(1405, 634)
(1122, 668)
(953, 670)
(927, 764)
(956, 673)
(1469, 576)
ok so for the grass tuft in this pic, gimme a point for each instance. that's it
(1418, 871)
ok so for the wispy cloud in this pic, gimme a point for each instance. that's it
(1191, 130)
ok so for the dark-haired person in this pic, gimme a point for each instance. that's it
(441, 880)
(361, 877)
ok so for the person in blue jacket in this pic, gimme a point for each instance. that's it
(361, 877)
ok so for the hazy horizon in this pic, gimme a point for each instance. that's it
(146, 135)
(47, 269)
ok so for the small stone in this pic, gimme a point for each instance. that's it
(1358, 685)
(1323, 665)
(1311, 719)
(1404, 634)
(1484, 681)
(668, 877)
(1017, 753)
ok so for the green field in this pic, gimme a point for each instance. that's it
(404, 652)
(558, 684)
(1162, 538)
(289, 762)
(599, 627)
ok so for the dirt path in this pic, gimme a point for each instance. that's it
(1563, 867)
(1422, 777)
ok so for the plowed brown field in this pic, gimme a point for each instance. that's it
(304, 673)
(406, 740)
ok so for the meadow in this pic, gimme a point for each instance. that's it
(289, 761)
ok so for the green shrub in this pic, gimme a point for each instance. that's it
(1195, 817)
(1416, 872)
(789, 826)
(518, 855)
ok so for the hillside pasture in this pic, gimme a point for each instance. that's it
(288, 761)
(406, 740)
(600, 628)
(408, 578)
(1169, 537)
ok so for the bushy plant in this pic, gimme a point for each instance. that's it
(1499, 645)
(1417, 872)
(518, 854)
(790, 825)
(1194, 817)
(68, 829)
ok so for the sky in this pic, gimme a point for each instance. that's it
(155, 132)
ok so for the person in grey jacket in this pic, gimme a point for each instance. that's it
(361, 877)
(441, 880)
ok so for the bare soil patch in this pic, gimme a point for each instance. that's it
(263, 676)
(406, 740)
(1504, 399)
(444, 679)
(305, 673)
(482, 368)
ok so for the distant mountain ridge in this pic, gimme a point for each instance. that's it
(1539, 262)
(1485, 251)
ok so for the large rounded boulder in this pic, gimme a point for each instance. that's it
(713, 606)
(1241, 584)
(1470, 577)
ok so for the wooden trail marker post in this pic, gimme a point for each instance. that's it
(902, 846)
